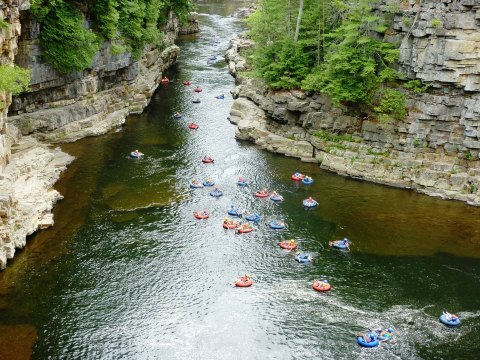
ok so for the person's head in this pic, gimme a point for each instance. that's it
(345, 239)
(298, 253)
(292, 241)
(310, 198)
(390, 330)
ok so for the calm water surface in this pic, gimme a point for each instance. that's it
(127, 272)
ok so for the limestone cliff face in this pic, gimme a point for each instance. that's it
(69, 107)
(435, 150)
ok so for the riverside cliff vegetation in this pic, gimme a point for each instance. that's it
(72, 31)
(328, 46)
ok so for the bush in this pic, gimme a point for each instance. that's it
(392, 103)
(416, 86)
(14, 79)
(68, 45)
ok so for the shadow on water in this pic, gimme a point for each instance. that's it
(127, 272)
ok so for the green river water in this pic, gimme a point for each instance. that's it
(128, 273)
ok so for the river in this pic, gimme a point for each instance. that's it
(127, 272)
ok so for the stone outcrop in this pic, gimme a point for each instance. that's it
(191, 25)
(60, 108)
(435, 150)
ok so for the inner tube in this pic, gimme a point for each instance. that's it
(307, 181)
(276, 225)
(165, 81)
(208, 183)
(450, 323)
(339, 245)
(232, 225)
(370, 343)
(287, 245)
(297, 176)
(385, 337)
(276, 198)
(199, 215)
(244, 229)
(233, 211)
(242, 282)
(321, 286)
(198, 89)
(216, 193)
(196, 101)
(242, 183)
(187, 83)
(302, 258)
(309, 204)
(179, 116)
(262, 194)
(196, 185)
(221, 97)
(193, 126)
(136, 155)
(213, 57)
(207, 160)
(253, 217)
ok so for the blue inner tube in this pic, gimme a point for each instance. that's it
(340, 245)
(213, 57)
(220, 97)
(253, 217)
(385, 337)
(233, 212)
(307, 181)
(216, 193)
(302, 258)
(276, 198)
(177, 116)
(136, 156)
(452, 322)
(196, 101)
(275, 225)
(194, 186)
(242, 183)
(207, 183)
(372, 342)
(309, 204)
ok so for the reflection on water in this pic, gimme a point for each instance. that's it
(127, 272)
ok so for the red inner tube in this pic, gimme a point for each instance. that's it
(187, 83)
(245, 230)
(287, 245)
(230, 226)
(199, 216)
(197, 89)
(297, 178)
(319, 286)
(242, 282)
(262, 195)
(165, 81)
(192, 126)
(207, 161)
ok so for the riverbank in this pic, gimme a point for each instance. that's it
(64, 108)
(309, 127)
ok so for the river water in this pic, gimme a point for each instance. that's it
(127, 272)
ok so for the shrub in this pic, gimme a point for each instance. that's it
(416, 86)
(14, 79)
(436, 23)
(392, 103)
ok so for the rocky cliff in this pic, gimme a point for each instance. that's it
(435, 150)
(60, 108)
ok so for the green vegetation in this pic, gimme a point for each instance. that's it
(70, 45)
(392, 103)
(468, 155)
(437, 24)
(337, 52)
(13, 80)
(4, 25)
(334, 137)
(416, 86)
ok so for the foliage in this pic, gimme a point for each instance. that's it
(334, 137)
(436, 23)
(4, 25)
(416, 86)
(13, 79)
(468, 155)
(129, 24)
(392, 103)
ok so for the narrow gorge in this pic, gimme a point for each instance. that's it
(434, 150)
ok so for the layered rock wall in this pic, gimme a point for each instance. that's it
(435, 150)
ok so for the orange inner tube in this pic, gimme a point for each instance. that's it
(287, 245)
(242, 282)
(230, 226)
(209, 160)
(245, 230)
(192, 126)
(321, 286)
(200, 216)
(261, 194)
